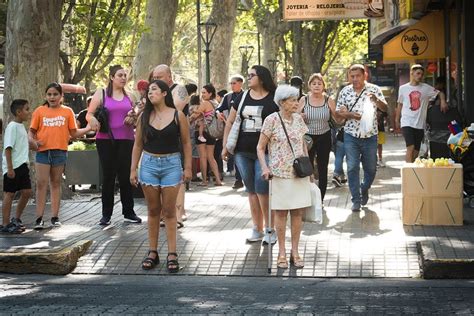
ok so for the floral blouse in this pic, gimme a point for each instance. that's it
(280, 155)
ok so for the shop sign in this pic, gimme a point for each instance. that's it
(296, 10)
(414, 42)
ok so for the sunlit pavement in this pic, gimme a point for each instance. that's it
(372, 243)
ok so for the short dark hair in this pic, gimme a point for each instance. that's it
(222, 93)
(195, 100)
(17, 105)
(191, 88)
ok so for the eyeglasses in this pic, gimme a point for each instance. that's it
(233, 82)
(250, 76)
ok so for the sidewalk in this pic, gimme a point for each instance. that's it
(372, 243)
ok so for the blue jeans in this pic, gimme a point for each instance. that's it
(339, 154)
(360, 150)
(251, 172)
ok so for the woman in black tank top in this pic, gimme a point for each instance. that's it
(162, 133)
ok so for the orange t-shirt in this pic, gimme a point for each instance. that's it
(52, 126)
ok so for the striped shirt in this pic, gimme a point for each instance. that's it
(317, 117)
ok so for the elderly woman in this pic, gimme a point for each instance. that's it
(285, 183)
(257, 105)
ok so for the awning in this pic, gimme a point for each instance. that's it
(423, 40)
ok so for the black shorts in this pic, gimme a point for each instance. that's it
(209, 139)
(413, 136)
(20, 182)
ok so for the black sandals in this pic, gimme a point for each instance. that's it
(172, 264)
(149, 263)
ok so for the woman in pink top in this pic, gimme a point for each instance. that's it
(115, 146)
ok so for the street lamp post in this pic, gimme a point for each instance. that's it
(272, 64)
(209, 31)
(246, 52)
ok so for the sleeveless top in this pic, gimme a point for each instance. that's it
(117, 112)
(317, 117)
(163, 141)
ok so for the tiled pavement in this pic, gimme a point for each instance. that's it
(373, 243)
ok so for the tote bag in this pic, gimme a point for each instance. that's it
(234, 131)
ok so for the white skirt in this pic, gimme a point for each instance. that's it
(289, 194)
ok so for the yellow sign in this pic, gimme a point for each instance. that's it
(423, 40)
(296, 10)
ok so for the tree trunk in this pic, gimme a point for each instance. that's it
(32, 50)
(297, 49)
(224, 13)
(271, 27)
(155, 46)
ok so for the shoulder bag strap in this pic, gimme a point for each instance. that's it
(103, 98)
(239, 109)
(358, 97)
(286, 133)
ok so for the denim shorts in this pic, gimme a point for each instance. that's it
(160, 171)
(251, 172)
(53, 157)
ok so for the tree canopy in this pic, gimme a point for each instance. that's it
(99, 33)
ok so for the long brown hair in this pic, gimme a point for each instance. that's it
(112, 71)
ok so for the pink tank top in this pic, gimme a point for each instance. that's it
(117, 112)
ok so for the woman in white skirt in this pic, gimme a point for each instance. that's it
(289, 192)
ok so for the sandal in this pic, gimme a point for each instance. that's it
(162, 223)
(282, 263)
(184, 218)
(179, 224)
(149, 263)
(202, 184)
(297, 262)
(172, 264)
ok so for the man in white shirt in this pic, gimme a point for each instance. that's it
(412, 106)
(360, 142)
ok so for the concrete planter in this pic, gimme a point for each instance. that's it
(83, 167)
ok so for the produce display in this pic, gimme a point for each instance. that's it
(438, 162)
(79, 146)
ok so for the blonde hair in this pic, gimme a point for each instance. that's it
(317, 76)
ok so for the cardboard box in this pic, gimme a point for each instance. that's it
(432, 211)
(432, 196)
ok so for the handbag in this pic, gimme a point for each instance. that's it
(102, 115)
(235, 129)
(314, 213)
(301, 165)
(216, 127)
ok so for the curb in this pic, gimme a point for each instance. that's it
(433, 268)
(59, 262)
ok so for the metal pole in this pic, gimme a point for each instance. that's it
(198, 17)
(269, 226)
(208, 67)
(258, 47)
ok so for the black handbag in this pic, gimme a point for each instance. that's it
(102, 115)
(302, 165)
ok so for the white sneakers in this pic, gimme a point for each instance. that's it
(255, 235)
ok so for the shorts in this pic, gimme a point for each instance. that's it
(160, 170)
(381, 138)
(53, 157)
(209, 139)
(251, 172)
(413, 136)
(21, 181)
